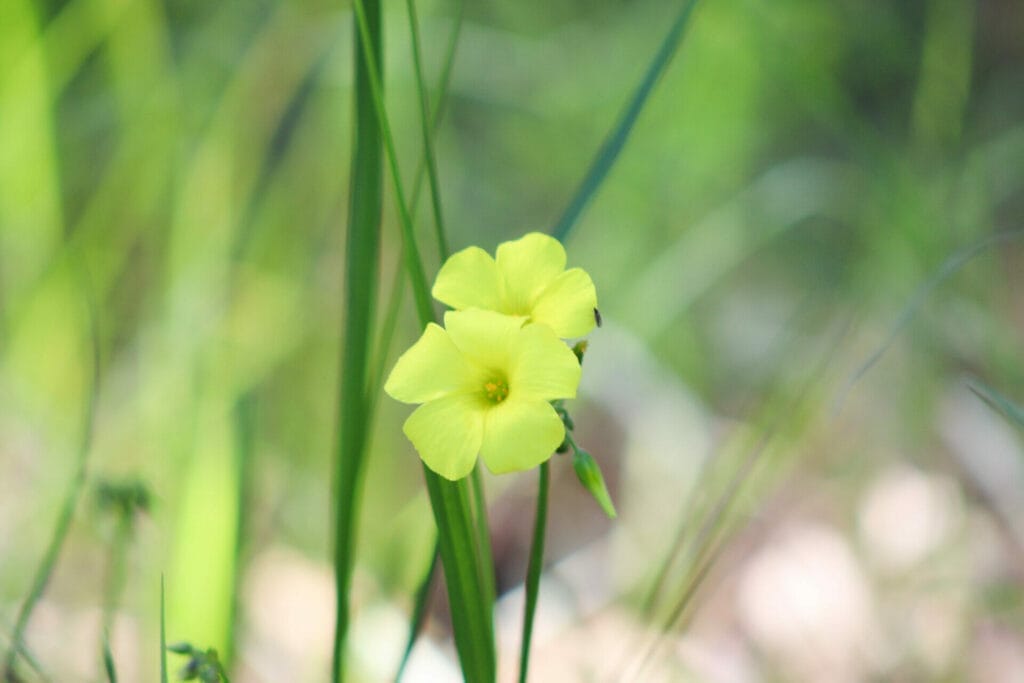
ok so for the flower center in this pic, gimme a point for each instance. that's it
(496, 390)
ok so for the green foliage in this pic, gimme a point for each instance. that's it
(796, 206)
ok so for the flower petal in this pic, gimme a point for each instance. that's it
(447, 434)
(484, 337)
(520, 434)
(528, 265)
(567, 304)
(469, 279)
(542, 366)
(430, 369)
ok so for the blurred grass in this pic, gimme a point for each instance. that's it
(800, 164)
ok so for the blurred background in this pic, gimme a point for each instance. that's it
(809, 185)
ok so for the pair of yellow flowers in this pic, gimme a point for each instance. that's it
(487, 378)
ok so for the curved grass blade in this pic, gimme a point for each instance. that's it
(948, 269)
(67, 513)
(535, 568)
(726, 511)
(998, 402)
(361, 265)
(616, 140)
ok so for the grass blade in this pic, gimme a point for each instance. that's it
(535, 568)
(472, 620)
(361, 265)
(419, 612)
(163, 634)
(998, 402)
(483, 534)
(616, 140)
(426, 129)
(67, 513)
(471, 614)
(370, 35)
(429, 119)
(948, 269)
(108, 661)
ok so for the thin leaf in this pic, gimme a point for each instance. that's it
(616, 140)
(472, 621)
(108, 661)
(536, 566)
(425, 126)
(361, 266)
(997, 401)
(948, 269)
(413, 262)
(419, 612)
(163, 634)
(483, 534)
(67, 513)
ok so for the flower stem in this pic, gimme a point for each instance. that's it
(535, 568)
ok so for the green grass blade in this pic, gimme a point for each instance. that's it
(948, 269)
(163, 634)
(426, 130)
(370, 35)
(485, 557)
(535, 568)
(472, 620)
(423, 591)
(67, 513)
(483, 534)
(419, 612)
(395, 297)
(108, 661)
(245, 428)
(998, 402)
(616, 140)
(471, 614)
(361, 265)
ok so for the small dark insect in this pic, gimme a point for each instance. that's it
(597, 317)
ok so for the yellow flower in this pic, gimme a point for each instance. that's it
(527, 278)
(485, 381)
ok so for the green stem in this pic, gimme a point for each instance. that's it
(483, 534)
(535, 568)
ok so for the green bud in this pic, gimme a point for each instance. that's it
(579, 349)
(590, 476)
